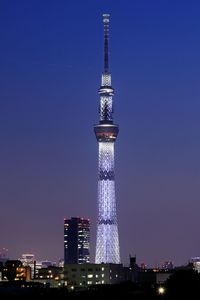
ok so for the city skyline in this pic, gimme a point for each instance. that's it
(50, 65)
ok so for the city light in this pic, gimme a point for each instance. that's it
(161, 290)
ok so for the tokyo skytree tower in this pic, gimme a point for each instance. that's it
(107, 242)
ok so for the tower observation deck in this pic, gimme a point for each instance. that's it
(107, 240)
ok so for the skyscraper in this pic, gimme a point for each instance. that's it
(76, 241)
(107, 243)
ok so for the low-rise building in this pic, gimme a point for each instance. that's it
(80, 276)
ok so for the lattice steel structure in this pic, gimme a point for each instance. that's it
(107, 243)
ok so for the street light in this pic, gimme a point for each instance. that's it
(161, 290)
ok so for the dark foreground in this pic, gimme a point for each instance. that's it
(181, 285)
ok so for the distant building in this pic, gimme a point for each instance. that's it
(195, 261)
(76, 241)
(51, 276)
(61, 263)
(133, 269)
(153, 276)
(47, 263)
(167, 265)
(84, 275)
(143, 266)
(28, 259)
(11, 269)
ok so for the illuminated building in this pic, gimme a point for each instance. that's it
(12, 269)
(28, 259)
(107, 240)
(23, 273)
(167, 265)
(76, 241)
(196, 263)
(85, 275)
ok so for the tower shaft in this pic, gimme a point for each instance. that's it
(107, 243)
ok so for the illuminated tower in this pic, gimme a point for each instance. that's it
(107, 243)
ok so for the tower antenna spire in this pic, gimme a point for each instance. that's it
(106, 34)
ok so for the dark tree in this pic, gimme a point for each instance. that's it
(183, 284)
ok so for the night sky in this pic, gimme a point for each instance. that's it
(51, 59)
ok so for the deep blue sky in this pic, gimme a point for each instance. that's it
(51, 59)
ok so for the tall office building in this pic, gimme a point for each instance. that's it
(28, 259)
(107, 243)
(76, 241)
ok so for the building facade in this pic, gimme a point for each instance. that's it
(76, 241)
(28, 259)
(86, 275)
(107, 241)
